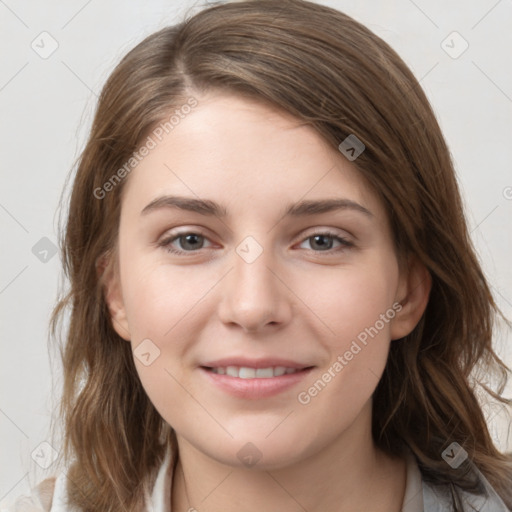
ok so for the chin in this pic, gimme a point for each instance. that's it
(258, 452)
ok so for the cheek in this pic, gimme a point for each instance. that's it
(158, 297)
(351, 300)
(163, 305)
(160, 304)
(358, 311)
(161, 382)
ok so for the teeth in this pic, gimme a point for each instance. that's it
(263, 373)
(247, 373)
(281, 370)
(232, 371)
(244, 372)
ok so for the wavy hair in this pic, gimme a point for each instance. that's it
(330, 72)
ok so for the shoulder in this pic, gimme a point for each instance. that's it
(50, 495)
(423, 495)
(39, 500)
(438, 498)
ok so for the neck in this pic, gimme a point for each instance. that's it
(350, 473)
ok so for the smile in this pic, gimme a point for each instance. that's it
(254, 383)
(245, 372)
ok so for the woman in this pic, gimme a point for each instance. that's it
(317, 349)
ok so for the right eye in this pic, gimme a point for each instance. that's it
(184, 238)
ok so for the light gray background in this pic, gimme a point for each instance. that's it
(46, 110)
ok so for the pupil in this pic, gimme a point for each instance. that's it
(187, 239)
(316, 237)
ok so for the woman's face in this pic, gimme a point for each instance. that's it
(264, 279)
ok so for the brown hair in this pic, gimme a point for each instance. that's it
(331, 72)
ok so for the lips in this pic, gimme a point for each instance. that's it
(254, 378)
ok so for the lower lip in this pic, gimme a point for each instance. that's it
(253, 389)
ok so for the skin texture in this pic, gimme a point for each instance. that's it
(303, 299)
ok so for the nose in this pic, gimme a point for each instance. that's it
(255, 295)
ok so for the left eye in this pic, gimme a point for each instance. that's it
(319, 241)
(191, 242)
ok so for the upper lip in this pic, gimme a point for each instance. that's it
(265, 362)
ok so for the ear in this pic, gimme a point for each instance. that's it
(412, 294)
(108, 273)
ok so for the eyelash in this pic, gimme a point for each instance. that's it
(166, 243)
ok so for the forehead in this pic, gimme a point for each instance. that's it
(232, 148)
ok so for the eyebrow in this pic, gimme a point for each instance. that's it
(211, 208)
